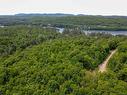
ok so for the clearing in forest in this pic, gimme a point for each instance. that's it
(103, 66)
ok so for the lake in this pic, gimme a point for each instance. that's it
(2, 26)
(107, 32)
(99, 31)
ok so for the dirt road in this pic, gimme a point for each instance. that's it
(103, 66)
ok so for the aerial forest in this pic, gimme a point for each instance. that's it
(36, 59)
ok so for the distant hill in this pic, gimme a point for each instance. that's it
(45, 14)
(88, 22)
(64, 15)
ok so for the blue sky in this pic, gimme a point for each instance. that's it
(90, 7)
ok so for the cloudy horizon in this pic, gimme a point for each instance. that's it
(87, 7)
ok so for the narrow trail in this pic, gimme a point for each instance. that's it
(103, 66)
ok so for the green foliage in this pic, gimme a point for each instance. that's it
(113, 44)
(13, 38)
(119, 62)
(85, 22)
(61, 66)
(41, 61)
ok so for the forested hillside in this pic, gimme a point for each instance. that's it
(119, 62)
(14, 38)
(41, 61)
(86, 22)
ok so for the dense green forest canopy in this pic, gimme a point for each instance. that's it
(42, 61)
(68, 21)
(13, 38)
(36, 59)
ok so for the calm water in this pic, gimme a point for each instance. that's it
(91, 31)
(60, 29)
(100, 31)
(108, 32)
(2, 26)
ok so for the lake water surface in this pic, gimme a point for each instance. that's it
(108, 32)
(100, 31)
(2, 26)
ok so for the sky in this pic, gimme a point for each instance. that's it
(88, 7)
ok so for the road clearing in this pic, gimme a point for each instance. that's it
(103, 66)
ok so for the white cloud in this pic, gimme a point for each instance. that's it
(95, 7)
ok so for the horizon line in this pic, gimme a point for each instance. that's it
(75, 14)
